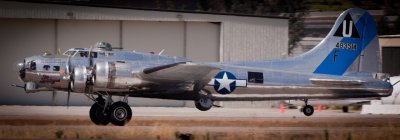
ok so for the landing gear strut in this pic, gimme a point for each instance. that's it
(104, 111)
(308, 110)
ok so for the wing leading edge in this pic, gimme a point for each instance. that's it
(181, 74)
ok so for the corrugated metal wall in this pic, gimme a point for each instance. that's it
(257, 41)
(241, 38)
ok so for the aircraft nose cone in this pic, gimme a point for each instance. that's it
(20, 65)
(21, 69)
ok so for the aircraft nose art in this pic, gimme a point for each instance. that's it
(225, 82)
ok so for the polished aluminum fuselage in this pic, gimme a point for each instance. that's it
(282, 84)
(278, 84)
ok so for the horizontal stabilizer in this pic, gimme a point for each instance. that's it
(343, 82)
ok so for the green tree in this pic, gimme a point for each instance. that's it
(296, 10)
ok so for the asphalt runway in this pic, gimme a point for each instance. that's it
(44, 122)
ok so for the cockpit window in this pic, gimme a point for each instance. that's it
(83, 53)
(86, 54)
(32, 65)
(94, 54)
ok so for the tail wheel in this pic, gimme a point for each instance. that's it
(308, 110)
(345, 109)
(120, 113)
(98, 116)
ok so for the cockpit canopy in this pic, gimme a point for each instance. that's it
(84, 52)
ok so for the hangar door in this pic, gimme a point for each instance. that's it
(391, 60)
(20, 38)
(203, 41)
(198, 41)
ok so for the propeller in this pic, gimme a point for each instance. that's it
(58, 51)
(69, 93)
(90, 57)
(53, 98)
(54, 93)
(69, 73)
(91, 67)
(70, 78)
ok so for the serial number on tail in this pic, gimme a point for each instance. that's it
(347, 46)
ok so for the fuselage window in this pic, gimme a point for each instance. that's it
(83, 54)
(56, 68)
(46, 67)
(255, 77)
(94, 54)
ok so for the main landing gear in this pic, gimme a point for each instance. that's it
(203, 101)
(104, 111)
(308, 110)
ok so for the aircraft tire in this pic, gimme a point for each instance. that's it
(345, 109)
(203, 104)
(120, 113)
(308, 110)
(97, 116)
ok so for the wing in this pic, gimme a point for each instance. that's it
(183, 75)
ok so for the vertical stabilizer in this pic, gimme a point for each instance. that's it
(351, 45)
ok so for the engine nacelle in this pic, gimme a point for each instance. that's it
(30, 87)
(114, 75)
(79, 79)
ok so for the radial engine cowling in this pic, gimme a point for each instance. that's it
(79, 79)
(114, 75)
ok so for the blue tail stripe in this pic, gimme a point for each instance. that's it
(370, 30)
(339, 59)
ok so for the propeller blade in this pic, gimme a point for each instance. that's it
(90, 57)
(161, 52)
(58, 51)
(68, 65)
(53, 99)
(69, 95)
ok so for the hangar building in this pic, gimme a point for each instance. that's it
(28, 29)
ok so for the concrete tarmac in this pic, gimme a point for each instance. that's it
(46, 122)
(173, 112)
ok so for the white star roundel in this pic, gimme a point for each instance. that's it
(225, 82)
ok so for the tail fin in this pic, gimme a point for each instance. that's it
(351, 45)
